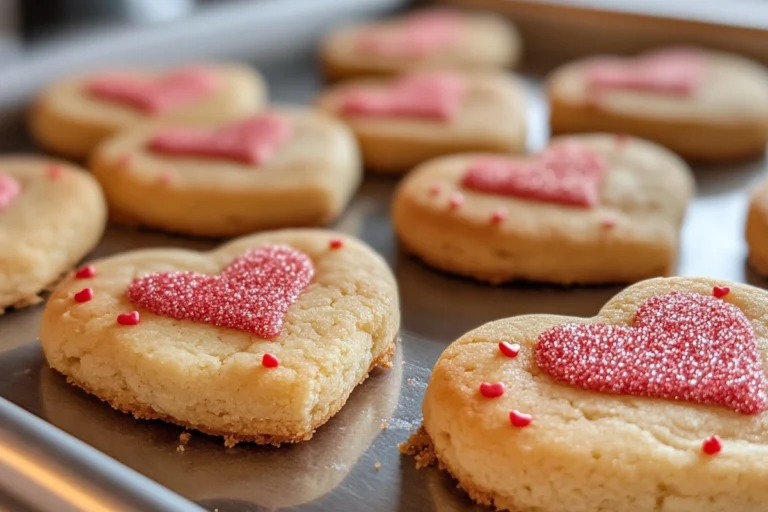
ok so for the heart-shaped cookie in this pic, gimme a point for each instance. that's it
(157, 94)
(190, 354)
(756, 231)
(702, 105)
(402, 122)
(73, 116)
(231, 177)
(252, 140)
(555, 446)
(44, 204)
(423, 39)
(589, 209)
(669, 71)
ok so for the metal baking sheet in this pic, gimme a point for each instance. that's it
(352, 463)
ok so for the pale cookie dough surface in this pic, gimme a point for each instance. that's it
(644, 193)
(308, 181)
(725, 118)
(48, 228)
(757, 229)
(587, 451)
(490, 117)
(69, 121)
(212, 379)
(485, 41)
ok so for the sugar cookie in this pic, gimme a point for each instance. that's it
(51, 215)
(261, 340)
(424, 39)
(702, 105)
(757, 229)
(657, 403)
(588, 209)
(402, 122)
(72, 116)
(223, 178)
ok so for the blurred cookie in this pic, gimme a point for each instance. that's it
(434, 38)
(261, 340)
(223, 178)
(402, 122)
(757, 229)
(73, 115)
(702, 105)
(588, 209)
(657, 403)
(51, 215)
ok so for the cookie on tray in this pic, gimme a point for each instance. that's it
(588, 209)
(432, 38)
(657, 403)
(73, 115)
(51, 215)
(757, 229)
(261, 340)
(705, 106)
(401, 122)
(281, 168)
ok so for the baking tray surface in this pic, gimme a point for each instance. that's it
(352, 463)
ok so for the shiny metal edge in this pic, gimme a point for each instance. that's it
(36, 466)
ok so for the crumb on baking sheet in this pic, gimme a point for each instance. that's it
(377, 466)
(384, 425)
(184, 438)
(180, 448)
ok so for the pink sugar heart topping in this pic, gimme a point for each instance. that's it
(567, 173)
(418, 36)
(9, 190)
(155, 96)
(252, 141)
(681, 346)
(433, 96)
(252, 294)
(676, 71)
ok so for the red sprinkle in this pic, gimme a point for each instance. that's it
(519, 419)
(457, 199)
(165, 178)
(492, 389)
(55, 171)
(509, 349)
(86, 272)
(608, 223)
(720, 291)
(131, 318)
(499, 216)
(712, 446)
(434, 190)
(621, 140)
(84, 295)
(270, 361)
(336, 243)
(681, 346)
(252, 294)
